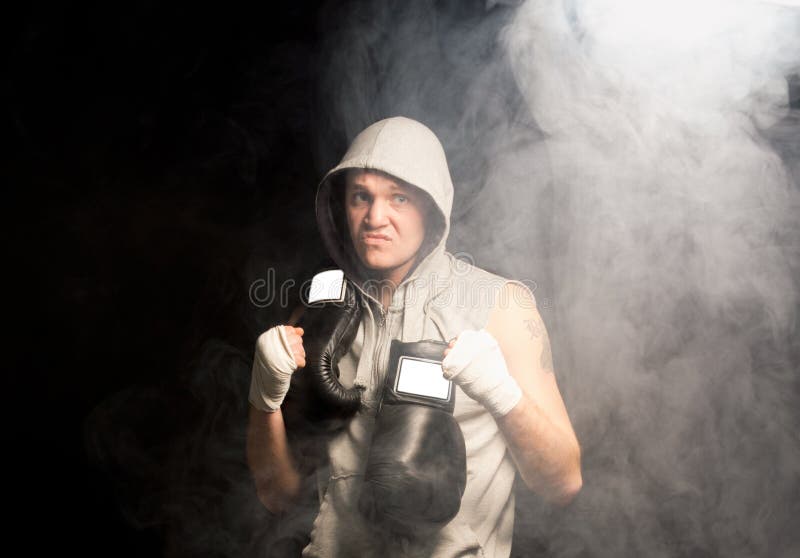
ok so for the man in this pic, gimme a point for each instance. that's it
(384, 214)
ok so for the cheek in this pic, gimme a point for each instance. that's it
(416, 224)
(352, 220)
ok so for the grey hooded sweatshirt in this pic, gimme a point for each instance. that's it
(438, 299)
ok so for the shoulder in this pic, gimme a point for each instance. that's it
(466, 295)
(465, 287)
(506, 294)
(463, 265)
(514, 319)
(520, 331)
(464, 276)
(515, 298)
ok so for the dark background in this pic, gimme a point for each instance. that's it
(160, 158)
(155, 150)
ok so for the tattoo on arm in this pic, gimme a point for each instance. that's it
(533, 328)
(537, 330)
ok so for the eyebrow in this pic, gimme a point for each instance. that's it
(393, 186)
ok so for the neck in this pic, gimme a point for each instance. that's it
(383, 283)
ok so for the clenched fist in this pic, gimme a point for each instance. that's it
(294, 336)
(279, 352)
(475, 362)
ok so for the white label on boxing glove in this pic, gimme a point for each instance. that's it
(422, 377)
(327, 286)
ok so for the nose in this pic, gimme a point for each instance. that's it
(377, 216)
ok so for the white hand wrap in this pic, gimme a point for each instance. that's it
(477, 365)
(272, 370)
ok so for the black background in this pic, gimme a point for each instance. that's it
(155, 149)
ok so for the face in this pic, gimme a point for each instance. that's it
(386, 218)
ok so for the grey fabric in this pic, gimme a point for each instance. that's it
(439, 298)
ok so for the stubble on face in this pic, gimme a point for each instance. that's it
(386, 221)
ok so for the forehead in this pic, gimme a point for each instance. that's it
(366, 178)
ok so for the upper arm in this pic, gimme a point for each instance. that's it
(521, 333)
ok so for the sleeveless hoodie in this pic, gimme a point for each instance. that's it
(440, 297)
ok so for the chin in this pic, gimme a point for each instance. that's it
(374, 262)
(379, 263)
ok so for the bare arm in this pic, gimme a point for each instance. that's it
(269, 456)
(538, 431)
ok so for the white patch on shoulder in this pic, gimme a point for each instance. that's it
(327, 286)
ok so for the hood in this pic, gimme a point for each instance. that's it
(403, 148)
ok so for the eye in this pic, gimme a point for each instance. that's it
(400, 198)
(360, 197)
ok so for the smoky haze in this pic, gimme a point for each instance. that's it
(649, 196)
(675, 256)
(647, 190)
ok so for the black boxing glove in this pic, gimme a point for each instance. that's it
(317, 401)
(417, 466)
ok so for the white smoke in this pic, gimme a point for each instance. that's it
(623, 156)
(676, 261)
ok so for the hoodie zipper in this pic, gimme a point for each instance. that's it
(377, 359)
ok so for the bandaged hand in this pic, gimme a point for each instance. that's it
(279, 352)
(475, 363)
